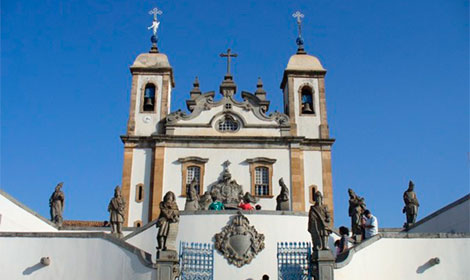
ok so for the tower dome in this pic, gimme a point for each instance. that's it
(304, 62)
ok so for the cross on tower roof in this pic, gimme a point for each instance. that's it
(299, 41)
(155, 11)
(228, 55)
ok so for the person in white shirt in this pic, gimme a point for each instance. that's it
(370, 224)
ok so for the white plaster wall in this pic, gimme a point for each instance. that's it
(211, 116)
(202, 228)
(239, 168)
(312, 173)
(455, 219)
(16, 219)
(142, 128)
(307, 125)
(243, 131)
(71, 258)
(406, 259)
(141, 170)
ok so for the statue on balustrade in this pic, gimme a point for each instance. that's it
(192, 197)
(356, 207)
(319, 223)
(168, 220)
(56, 203)
(205, 201)
(283, 198)
(411, 205)
(116, 208)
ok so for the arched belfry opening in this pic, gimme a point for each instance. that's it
(306, 98)
(149, 98)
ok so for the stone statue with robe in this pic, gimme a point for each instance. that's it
(319, 223)
(116, 209)
(56, 203)
(205, 201)
(411, 205)
(282, 200)
(167, 222)
(356, 207)
(192, 197)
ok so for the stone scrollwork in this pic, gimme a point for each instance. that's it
(175, 116)
(239, 242)
(280, 118)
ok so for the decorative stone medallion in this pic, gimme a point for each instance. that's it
(239, 242)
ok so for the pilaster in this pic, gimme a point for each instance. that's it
(327, 180)
(126, 180)
(157, 188)
(297, 179)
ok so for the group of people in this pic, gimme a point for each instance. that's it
(369, 228)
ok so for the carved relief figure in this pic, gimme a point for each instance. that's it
(319, 223)
(169, 214)
(227, 190)
(411, 205)
(192, 197)
(56, 203)
(116, 208)
(205, 201)
(356, 208)
(282, 200)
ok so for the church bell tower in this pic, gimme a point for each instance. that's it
(152, 82)
(303, 87)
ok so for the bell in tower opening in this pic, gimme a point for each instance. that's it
(307, 101)
(149, 97)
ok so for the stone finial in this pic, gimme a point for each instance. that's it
(260, 92)
(195, 91)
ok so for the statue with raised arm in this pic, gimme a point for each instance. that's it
(319, 223)
(56, 203)
(155, 23)
(192, 197)
(169, 216)
(411, 205)
(116, 208)
(282, 200)
(356, 208)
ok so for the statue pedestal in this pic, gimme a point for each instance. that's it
(167, 265)
(323, 264)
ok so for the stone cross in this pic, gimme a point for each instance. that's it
(227, 162)
(228, 55)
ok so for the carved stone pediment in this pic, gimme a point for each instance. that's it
(228, 191)
(239, 242)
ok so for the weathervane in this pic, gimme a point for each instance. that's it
(155, 11)
(299, 40)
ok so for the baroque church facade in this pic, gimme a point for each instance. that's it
(166, 151)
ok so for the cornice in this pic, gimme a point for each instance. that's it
(302, 74)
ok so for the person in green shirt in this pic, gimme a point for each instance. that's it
(216, 205)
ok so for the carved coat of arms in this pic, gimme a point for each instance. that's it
(239, 242)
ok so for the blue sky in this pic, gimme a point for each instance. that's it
(397, 90)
